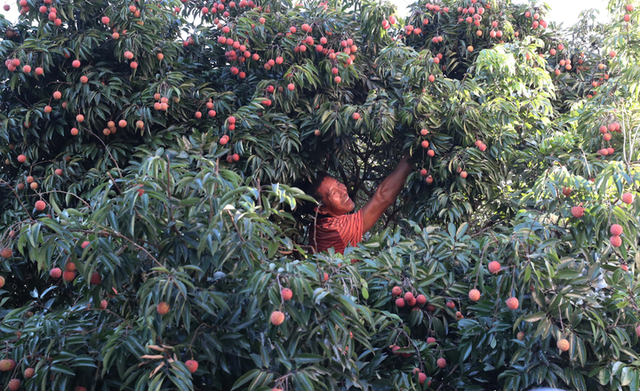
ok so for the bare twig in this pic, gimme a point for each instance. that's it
(109, 152)
(106, 230)
(65, 192)
(235, 225)
(18, 198)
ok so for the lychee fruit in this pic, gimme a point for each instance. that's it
(14, 384)
(277, 318)
(7, 365)
(577, 211)
(68, 276)
(616, 230)
(396, 291)
(163, 308)
(192, 365)
(494, 267)
(56, 273)
(6, 253)
(29, 373)
(474, 295)
(96, 278)
(563, 345)
(615, 241)
(441, 363)
(513, 303)
(286, 294)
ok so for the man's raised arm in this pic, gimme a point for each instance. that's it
(386, 194)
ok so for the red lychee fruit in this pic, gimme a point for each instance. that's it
(162, 308)
(494, 267)
(577, 211)
(277, 318)
(14, 384)
(6, 253)
(192, 365)
(7, 365)
(474, 295)
(68, 276)
(286, 294)
(56, 273)
(29, 373)
(563, 345)
(96, 278)
(615, 241)
(616, 230)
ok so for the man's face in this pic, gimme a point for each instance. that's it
(335, 198)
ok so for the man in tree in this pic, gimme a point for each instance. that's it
(338, 228)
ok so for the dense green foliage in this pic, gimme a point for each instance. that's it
(160, 181)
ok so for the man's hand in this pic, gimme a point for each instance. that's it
(386, 194)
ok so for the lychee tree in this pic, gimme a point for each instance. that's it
(149, 232)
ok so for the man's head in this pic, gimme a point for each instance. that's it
(332, 195)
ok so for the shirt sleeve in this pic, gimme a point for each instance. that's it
(351, 228)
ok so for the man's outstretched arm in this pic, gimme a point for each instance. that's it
(386, 194)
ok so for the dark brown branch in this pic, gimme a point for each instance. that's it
(390, 218)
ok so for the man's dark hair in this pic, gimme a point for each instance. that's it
(311, 188)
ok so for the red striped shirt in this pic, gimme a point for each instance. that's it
(338, 232)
